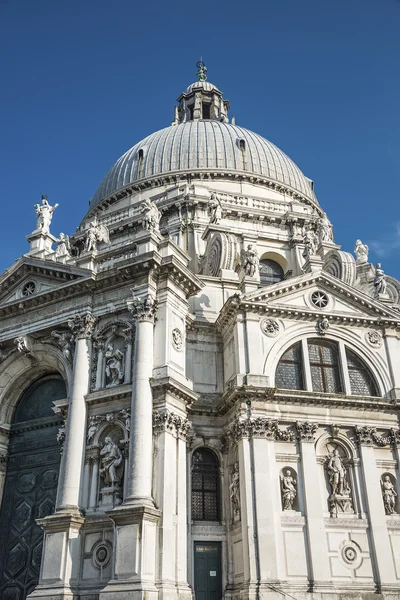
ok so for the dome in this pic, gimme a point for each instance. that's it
(200, 146)
(201, 85)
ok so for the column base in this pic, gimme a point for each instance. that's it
(52, 593)
(135, 534)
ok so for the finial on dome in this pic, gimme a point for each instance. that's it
(201, 71)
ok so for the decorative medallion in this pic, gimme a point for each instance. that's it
(319, 299)
(374, 338)
(322, 325)
(350, 554)
(177, 339)
(28, 289)
(270, 327)
(101, 554)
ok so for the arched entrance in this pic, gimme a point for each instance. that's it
(30, 487)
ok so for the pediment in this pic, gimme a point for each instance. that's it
(29, 277)
(301, 294)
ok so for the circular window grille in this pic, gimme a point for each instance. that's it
(319, 299)
(29, 288)
(101, 555)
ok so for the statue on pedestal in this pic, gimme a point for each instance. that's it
(151, 215)
(310, 243)
(44, 214)
(96, 232)
(63, 246)
(215, 209)
(110, 461)
(288, 488)
(361, 252)
(250, 260)
(340, 498)
(380, 281)
(324, 229)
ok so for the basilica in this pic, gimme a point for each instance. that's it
(199, 389)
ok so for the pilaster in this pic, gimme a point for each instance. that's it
(381, 549)
(316, 534)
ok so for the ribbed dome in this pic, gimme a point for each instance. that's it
(201, 146)
(201, 85)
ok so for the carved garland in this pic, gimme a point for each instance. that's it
(166, 420)
(258, 427)
(368, 436)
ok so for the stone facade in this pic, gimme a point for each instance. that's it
(232, 384)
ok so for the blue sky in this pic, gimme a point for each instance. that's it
(83, 81)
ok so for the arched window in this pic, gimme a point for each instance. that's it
(270, 272)
(205, 486)
(324, 365)
(330, 368)
(289, 373)
(361, 380)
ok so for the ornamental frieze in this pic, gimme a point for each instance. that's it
(368, 436)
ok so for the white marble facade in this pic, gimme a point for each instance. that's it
(208, 329)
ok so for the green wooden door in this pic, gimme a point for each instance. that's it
(30, 487)
(207, 571)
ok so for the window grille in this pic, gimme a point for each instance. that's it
(289, 374)
(205, 486)
(324, 365)
(361, 380)
(270, 272)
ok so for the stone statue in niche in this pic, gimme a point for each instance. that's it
(288, 489)
(44, 214)
(114, 366)
(379, 281)
(111, 471)
(324, 229)
(96, 232)
(111, 459)
(215, 209)
(389, 495)
(340, 497)
(151, 215)
(361, 252)
(234, 492)
(93, 424)
(250, 260)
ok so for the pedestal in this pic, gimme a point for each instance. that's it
(40, 242)
(135, 535)
(110, 497)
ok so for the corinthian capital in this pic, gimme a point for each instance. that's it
(364, 435)
(143, 309)
(306, 431)
(82, 325)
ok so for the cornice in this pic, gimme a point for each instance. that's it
(245, 393)
(118, 393)
(175, 388)
(181, 177)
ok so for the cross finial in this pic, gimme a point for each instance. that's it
(201, 70)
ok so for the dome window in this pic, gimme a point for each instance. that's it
(206, 110)
(242, 147)
(140, 163)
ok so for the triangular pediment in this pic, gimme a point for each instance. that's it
(29, 277)
(321, 293)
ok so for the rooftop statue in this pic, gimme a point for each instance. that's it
(380, 280)
(250, 260)
(361, 252)
(201, 71)
(215, 209)
(44, 213)
(63, 247)
(324, 229)
(151, 215)
(96, 232)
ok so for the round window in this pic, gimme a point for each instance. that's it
(28, 288)
(319, 299)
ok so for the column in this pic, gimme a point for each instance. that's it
(86, 480)
(94, 483)
(99, 367)
(316, 535)
(381, 550)
(141, 436)
(69, 490)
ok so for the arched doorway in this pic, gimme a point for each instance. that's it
(30, 487)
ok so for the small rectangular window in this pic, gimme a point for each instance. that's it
(206, 111)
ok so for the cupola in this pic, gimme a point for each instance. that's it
(201, 101)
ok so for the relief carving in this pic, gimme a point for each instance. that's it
(234, 492)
